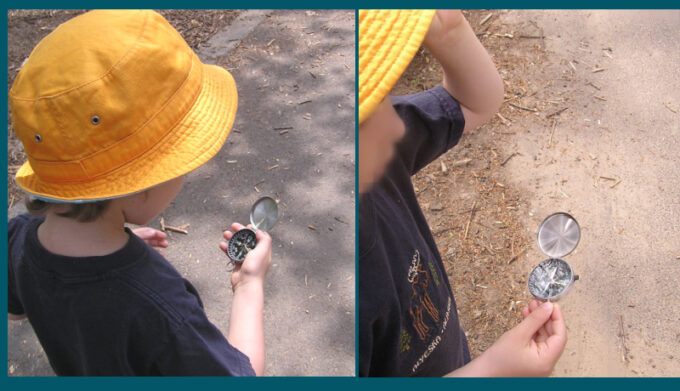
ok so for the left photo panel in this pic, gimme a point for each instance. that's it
(181, 192)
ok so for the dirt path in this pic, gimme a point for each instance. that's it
(622, 123)
(590, 126)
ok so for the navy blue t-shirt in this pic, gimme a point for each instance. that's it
(127, 313)
(408, 323)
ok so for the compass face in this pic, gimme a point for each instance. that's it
(550, 278)
(240, 244)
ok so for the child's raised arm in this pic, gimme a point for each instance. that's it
(469, 74)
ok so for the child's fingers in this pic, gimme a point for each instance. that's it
(227, 235)
(525, 312)
(223, 246)
(533, 305)
(236, 227)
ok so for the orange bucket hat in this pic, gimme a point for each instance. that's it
(112, 103)
(388, 40)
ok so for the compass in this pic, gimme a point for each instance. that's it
(558, 235)
(263, 215)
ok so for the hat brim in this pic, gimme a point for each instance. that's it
(388, 41)
(194, 140)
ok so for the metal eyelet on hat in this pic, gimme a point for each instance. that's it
(38, 138)
(95, 120)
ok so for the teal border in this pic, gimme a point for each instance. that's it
(289, 383)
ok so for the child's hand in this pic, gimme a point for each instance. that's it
(445, 22)
(531, 348)
(254, 267)
(152, 237)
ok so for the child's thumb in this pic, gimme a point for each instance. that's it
(536, 319)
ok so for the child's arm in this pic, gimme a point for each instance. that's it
(529, 349)
(246, 332)
(469, 74)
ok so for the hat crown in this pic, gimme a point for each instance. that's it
(101, 90)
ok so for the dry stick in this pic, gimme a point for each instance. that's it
(522, 107)
(284, 128)
(599, 97)
(508, 159)
(552, 132)
(599, 70)
(514, 258)
(532, 36)
(503, 119)
(668, 107)
(162, 224)
(461, 163)
(467, 227)
(622, 334)
(176, 229)
(590, 83)
(558, 112)
(486, 19)
(615, 184)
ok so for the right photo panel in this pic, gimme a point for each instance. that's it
(505, 160)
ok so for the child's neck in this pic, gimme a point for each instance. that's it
(69, 237)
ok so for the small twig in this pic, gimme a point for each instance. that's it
(599, 97)
(503, 119)
(508, 158)
(486, 19)
(606, 178)
(283, 132)
(572, 66)
(467, 227)
(532, 36)
(176, 229)
(302, 103)
(284, 128)
(162, 224)
(184, 226)
(522, 107)
(461, 163)
(514, 258)
(340, 220)
(552, 132)
(615, 184)
(622, 335)
(599, 70)
(273, 167)
(313, 228)
(558, 112)
(590, 83)
(668, 107)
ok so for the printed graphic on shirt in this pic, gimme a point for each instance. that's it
(424, 312)
(404, 340)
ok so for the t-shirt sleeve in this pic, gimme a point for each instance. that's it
(198, 348)
(14, 227)
(434, 124)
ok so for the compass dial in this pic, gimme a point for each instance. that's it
(240, 244)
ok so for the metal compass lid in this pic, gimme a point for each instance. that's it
(558, 235)
(264, 214)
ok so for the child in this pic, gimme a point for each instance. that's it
(408, 323)
(113, 109)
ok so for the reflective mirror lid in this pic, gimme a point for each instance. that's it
(558, 235)
(265, 214)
